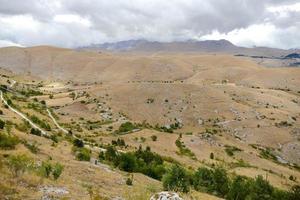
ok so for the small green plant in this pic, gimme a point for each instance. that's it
(128, 181)
(57, 170)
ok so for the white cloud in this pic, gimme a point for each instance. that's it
(70, 18)
(71, 23)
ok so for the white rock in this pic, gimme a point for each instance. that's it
(166, 196)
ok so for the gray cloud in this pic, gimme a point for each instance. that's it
(71, 23)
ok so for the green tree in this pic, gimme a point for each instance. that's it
(260, 189)
(239, 189)
(220, 182)
(127, 162)
(203, 179)
(176, 179)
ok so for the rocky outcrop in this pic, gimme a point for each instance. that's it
(166, 196)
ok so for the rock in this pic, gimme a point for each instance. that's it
(166, 196)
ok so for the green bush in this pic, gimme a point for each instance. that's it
(2, 124)
(46, 169)
(143, 161)
(57, 171)
(35, 131)
(176, 179)
(8, 142)
(126, 127)
(18, 164)
(83, 154)
(154, 138)
(78, 143)
(128, 181)
(211, 180)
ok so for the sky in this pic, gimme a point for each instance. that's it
(74, 23)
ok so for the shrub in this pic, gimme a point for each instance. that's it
(127, 162)
(2, 124)
(46, 169)
(239, 189)
(35, 131)
(8, 142)
(176, 179)
(128, 181)
(32, 147)
(212, 156)
(126, 127)
(154, 138)
(78, 143)
(57, 171)
(18, 164)
(83, 154)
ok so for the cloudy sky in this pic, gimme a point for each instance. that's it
(72, 23)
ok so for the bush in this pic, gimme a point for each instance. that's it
(176, 179)
(202, 179)
(46, 169)
(83, 154)
(154, 138)
(78, 143)
(239, 188)
(18, 164)
(57, 171)
(8, 142)
(128, 181)
(213, 181)
(126, 127)
(2, 124)
(35, 131)
(127, 162)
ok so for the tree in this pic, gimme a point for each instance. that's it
(260, 189)
(176, 179)
(203, 179)
(239, 189)
(110, 154)
(57, 170)
(127, 162)
(220, 182)
(18, 164)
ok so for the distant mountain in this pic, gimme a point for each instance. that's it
(218, 46)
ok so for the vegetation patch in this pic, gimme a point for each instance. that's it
(230, 150)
